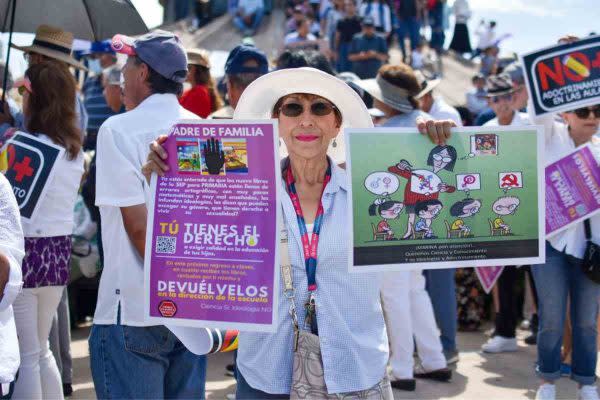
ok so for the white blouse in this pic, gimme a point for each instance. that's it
(11, 246)
(559, 144)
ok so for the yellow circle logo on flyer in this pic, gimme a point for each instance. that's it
(251, 241)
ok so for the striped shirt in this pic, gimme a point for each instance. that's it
(354, 343)
(95, 104)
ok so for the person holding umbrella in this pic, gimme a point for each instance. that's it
(50, 44)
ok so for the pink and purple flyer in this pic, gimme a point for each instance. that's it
(212, 241)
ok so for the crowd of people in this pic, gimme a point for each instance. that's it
(333, 72)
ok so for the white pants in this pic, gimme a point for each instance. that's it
(409, 313)
(38, 374)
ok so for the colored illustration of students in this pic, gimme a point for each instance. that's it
(388, 210)
(424, 184)
(463, 209)
(427, 211)
(506, 205)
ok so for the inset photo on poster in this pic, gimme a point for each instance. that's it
(188, 156)
(213, 157)
(236, 156)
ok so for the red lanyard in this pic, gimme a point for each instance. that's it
(309, 247)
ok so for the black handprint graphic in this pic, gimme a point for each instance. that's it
(214, 156)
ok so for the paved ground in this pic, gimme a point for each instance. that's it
(477, 375)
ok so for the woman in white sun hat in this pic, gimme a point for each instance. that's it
(312, 108)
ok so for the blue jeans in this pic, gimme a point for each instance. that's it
(246, 392)
(256, 19)
(438, 36)
(132, 362)
(408, 27)
(561, 278)
(441, 287)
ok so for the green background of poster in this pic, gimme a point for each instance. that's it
(374, 151)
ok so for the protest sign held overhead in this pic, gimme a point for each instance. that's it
(418, 205)
(564, 77)
(212, 233)
(29, 167)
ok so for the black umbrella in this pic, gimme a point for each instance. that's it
(86, 19)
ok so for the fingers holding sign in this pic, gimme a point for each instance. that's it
(438, 131)
(156, 159)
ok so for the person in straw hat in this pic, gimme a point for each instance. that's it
(202, 98)
(50, 44)
(312, 108)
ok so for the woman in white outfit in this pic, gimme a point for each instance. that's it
(11, 254)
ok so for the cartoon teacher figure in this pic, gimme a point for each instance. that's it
(424, 184)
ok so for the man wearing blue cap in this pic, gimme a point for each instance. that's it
(100, 57)
(131, 358)
(244, 65)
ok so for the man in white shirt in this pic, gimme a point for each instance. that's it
(248, 15)
(435, 105)
(486, 34)
(476, 97)
(131, 358)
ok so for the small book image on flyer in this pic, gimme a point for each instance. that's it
(188, 157)
(484, 144)
(236, 156)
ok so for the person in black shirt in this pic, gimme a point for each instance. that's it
(409, 24)
(347, 27)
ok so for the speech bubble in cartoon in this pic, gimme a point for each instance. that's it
(510, 180)
(381, 183)
(468, 182)
(484, 144)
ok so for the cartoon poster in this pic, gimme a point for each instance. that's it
(572, 189)
(29, 164)
(212, 240)
(564, 77)
(468, 204)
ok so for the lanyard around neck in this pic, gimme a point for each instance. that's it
(309, 247)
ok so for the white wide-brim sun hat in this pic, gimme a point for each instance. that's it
(259, 98)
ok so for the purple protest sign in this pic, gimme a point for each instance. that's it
(572, 190)
(488, 276)
(212, 241)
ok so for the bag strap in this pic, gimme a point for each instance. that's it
(588, 230)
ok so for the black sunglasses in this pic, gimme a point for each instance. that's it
(583, 113)
(319, 108)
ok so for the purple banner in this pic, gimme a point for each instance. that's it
(572, 190)
(488, 276)
(211, 256)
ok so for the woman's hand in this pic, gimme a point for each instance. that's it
(155, 161)
(438, 131)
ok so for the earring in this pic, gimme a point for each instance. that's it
(334, 144)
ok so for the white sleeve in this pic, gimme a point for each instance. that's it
(11, 242)
(546, 120)
(119, 181)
